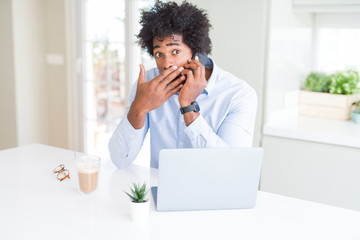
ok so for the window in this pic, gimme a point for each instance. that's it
(109, 52)
(337, 42)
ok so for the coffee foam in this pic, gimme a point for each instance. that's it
(88, 169)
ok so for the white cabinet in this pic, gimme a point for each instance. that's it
(312, 171)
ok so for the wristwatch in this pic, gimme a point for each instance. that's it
(193, 107)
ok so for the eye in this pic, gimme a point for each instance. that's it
(158, 54)
(176, 52)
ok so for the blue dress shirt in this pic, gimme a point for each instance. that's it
(227, 117)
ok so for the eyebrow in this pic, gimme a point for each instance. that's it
(169, 44)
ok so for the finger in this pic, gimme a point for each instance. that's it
(198, 72)
(199, 69)
(172, 76)
(165, 73)
(196, 59)
(174, 90)
(175, 83)
(193, 64)
(141, 75)
(188, 73)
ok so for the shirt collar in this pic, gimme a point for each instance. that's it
(211, 81)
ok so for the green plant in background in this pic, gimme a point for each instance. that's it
(138, 193)
(317, 82)
(344, 82)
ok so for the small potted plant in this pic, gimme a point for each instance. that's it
(139, 204)
(355, 114)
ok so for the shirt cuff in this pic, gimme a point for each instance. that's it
(198, 126)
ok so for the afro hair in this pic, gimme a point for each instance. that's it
(166, 19)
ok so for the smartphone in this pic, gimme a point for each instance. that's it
(202, 58)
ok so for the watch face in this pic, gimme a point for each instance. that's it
(197, 107)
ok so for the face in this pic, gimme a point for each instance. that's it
(170, 51)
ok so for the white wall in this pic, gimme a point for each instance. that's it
(31, 103)
(55, 72)
(312, 171)
(33, 93)
(239, 37)
(8, 129)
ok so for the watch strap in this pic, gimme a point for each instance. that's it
(193, 107)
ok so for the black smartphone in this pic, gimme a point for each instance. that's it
(202, 59)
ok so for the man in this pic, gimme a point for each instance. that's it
(167, 99)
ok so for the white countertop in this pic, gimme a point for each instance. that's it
(322, 130)
(35, 205)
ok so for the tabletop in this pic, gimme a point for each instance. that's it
(35, 205)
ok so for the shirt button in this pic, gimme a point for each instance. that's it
(181, 143)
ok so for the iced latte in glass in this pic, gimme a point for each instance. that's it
(88, 172)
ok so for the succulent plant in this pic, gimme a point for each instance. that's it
(138, 193)
(317, 82)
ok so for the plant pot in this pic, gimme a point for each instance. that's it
(326, 105)
(355, 117)
(139, 212)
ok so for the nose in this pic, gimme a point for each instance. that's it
(168, 62)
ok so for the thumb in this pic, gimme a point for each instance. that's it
(141, 75)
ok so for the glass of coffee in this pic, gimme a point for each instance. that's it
(88, 170)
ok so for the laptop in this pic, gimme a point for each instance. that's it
(207, 179)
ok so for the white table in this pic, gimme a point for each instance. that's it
(35, 205)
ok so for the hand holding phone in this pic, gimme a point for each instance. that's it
(190, 92)
(202, 59)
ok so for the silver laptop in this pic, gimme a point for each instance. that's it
(207, 178)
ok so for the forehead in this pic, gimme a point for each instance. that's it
(174, 39)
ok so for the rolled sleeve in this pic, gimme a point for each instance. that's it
(202, 135)
(126, 143)
(197, 127)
